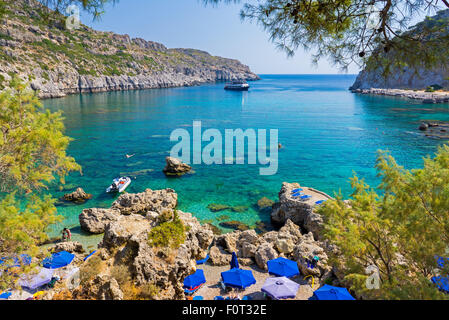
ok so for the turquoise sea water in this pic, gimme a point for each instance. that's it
(327, 133)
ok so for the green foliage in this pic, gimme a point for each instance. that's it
(32, 141)
(21, 230)
(430, 89)
(92, 7)
(355, 31)
(32, 153)
(399, 232)
(168, 234)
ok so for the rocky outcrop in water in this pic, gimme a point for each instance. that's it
(301, 212)
(78, 196)
(63, 62)
(175, 167)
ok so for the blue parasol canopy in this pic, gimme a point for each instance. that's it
(194, 280)
(238, 278)
(5, 295)
(280, 288)
(234, 261)
(58, 260)
(442, 283)
(441, 261)
(328, 292)
(283, 267)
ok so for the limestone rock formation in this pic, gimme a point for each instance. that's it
(77, 196)
(264, 253)
(175, 167)
(95, 220)
(147, 201)
(306, 251)
(85, 60)
(72, 247)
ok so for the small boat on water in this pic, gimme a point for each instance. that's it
(119, 185)
(237, 85)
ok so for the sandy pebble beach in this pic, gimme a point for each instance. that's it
(212, 287)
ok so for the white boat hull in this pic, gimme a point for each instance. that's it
(121, 183)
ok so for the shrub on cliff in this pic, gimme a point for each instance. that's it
(399, 232)
(168, 234)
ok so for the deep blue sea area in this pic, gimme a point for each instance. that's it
(327, 133)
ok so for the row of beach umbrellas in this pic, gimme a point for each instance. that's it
(278, 287)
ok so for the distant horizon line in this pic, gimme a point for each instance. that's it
(307, 74)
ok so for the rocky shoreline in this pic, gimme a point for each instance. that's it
(426, 97)
(59, 62)
(129, 223)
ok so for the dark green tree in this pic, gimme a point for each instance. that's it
(352, 31)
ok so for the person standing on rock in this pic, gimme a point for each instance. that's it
(66, 235)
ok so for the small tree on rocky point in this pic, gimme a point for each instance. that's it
(399, 232)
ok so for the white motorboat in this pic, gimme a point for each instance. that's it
(119, 185)
(237, 85)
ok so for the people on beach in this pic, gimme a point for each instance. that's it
(66, 235)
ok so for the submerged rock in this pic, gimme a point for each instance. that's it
(236, 225)
(239, 208)
(215, 207)
(264, 203)
(175, 167)
(78, 196)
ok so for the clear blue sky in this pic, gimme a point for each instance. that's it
(218, 30)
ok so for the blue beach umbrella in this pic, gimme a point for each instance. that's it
(194, 280)
(238, 278)
(442, 283)
(441, 261)
(280, 288)
(283, 267)
(328, 292)
(234, 261)
(5, 295)
(58, 260)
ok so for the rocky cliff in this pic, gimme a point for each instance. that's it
(408, 77)
(60, 61)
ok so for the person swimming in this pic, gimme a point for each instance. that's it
(130, 156)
